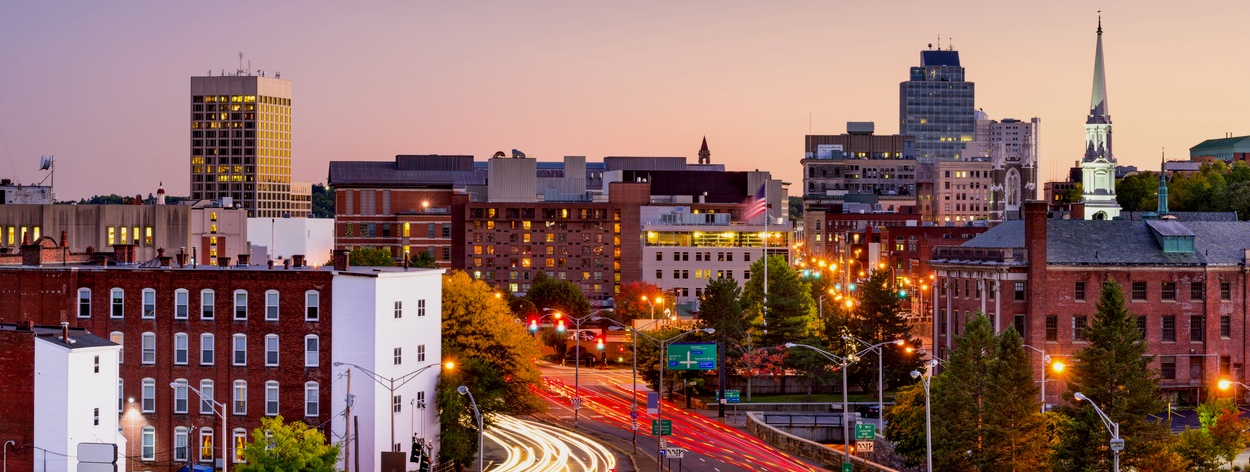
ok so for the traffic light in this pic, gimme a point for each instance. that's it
(533, 325)
(599, 343)
(560, 326)
(902, 293)
(416, 454)
(852, 287)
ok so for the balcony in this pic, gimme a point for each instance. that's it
(979, 255)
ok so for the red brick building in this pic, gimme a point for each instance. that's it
(256, 338)
(1185, 281)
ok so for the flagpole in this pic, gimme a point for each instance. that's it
(766, 236)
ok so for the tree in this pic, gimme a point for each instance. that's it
(559, 295)
(1138, 192)
(1014, 436)
(788, 313)
(367, 256)
(721, 310)
(322, 201)
(424, 260)
(1072, 195)
(905, 424)
(1222, 434)
(960, 394)
(279, 446)
(629, 303)
(1114, 371)
(877, 317)
(458, 426)
(557, 341)
(478, 325)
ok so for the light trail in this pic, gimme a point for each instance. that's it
(537, 447)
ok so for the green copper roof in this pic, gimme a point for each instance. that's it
(1239, 141)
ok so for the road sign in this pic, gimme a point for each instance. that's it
(733, 396)
(863, 446)
(692, 356)
(674, 452)
(665, 427)
(577, 403)
(1117, 445)
(848, 467)
(663, 443)
(865, 431)
(634, 425)
(633, 414)
(653, 403)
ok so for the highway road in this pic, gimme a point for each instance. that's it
(530, 446)
(713, 446)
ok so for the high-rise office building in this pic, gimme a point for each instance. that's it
(935, 106)
(241, 144)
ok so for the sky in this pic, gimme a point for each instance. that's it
(103, 86)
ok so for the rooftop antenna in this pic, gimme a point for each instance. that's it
(950, 44)
(939, 41)
(239, 71)
(48, 163)
(249, 67)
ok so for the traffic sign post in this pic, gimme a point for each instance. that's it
(848, 467)
(674, 452)
(732, 396)
(864, 446)
(664, 427)
(865, 431)
(691, 356)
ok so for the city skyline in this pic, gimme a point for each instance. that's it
(103, 87)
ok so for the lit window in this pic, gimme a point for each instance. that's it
(240, 397)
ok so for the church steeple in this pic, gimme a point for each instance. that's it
(1098, 122)
(1163, 186)
(705, 156)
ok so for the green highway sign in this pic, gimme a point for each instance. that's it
(848, 467)
(865, 431)
(733, 396)
(665, 427)
(692, 356)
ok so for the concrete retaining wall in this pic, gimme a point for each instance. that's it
(806, 449)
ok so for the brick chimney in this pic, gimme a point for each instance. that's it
(244, 260)
(1035, 233)
(165, 260)
(32, 255)
(298, 260)
(64, 239)
(341, 259)
(223, 261)
(1077, 211)
(124, 253)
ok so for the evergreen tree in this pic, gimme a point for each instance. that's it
(1114, 371)
(721, 309)
(877, 317)
(1013, 431)
(788, 314)
(959, 393)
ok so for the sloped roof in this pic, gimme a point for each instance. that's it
(1221, 143)
(1121, 242)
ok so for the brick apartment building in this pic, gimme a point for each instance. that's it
(1184, 280)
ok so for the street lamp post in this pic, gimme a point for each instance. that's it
(842, 363)
(1058, 366)
(880, 370)
(928, 423)
(478, 414)
(634, 412)
(577, 355)
(1117, 444)
(219, 409)
(389, 384)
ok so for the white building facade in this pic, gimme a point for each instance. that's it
(76, 399)
(281, 238)
(387, 326)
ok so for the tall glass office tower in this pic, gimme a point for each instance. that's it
(936, 106)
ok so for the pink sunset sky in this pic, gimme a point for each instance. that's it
(103, 86)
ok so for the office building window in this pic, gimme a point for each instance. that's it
(1169, 329)
(1052, 328)
(271, 305)
(207, 305)
(181, 347)
(117, 296)
(182, 301)
(312, 305)
(1169, 291)
(149, 304)
(149, 348)
(240, 305)
(84, 303)
(312, 351)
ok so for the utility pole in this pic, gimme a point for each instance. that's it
(347, 427)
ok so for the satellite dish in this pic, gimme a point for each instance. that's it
(45, 162)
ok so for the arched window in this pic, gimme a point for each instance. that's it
(312, 305)
(271, 350)
(149, 444)
(206, 397)
(312, 351)
(240, 305)
(118, 303)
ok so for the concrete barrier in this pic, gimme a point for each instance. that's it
(806, 449)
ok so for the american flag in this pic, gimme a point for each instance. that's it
(756, 206)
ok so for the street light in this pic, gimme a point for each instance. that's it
(652, 303)
(659, 410)
(577, 355)
(1058, 366)
(634, 412)
(478, 414)
(880, 370)
(403, 379)
(842, 362)
(220, 410)
(928, 423)
(1117, 444)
